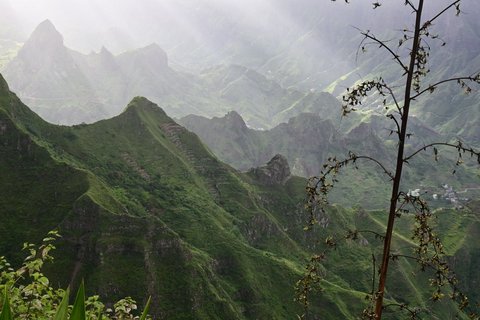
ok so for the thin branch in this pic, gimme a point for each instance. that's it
(379, 235)
(399, 209)
(388, 173)
(373, 273)
(411, 5)
(456, 146)
(392, 94)
(402, 306)
(433, 86)
(416, 259)
(430, 21)
(391, 116)
(383, 44)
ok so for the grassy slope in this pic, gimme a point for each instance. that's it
(145, 209)
(145, 203)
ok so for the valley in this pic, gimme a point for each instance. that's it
(174, 145)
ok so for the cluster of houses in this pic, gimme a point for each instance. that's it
(445, 194)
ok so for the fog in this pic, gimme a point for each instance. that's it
(125, 24)
(260, 34)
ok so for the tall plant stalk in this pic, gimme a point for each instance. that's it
(399, 167)
(413, 69)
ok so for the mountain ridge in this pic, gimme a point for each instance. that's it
(100, 82)
(145, 209)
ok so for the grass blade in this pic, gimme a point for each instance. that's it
(6, 313)
(145, 311)
(78, 312)
(62, 312)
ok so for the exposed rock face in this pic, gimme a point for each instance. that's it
(45, 36)
(277, 171)
(44, 49)
(235, 121)
(3, 85)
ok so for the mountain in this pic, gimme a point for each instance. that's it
(308, 140)
(97, 84)
(267, 75)
(145, 209)
(46, 75)
(148, 211)
(100, 83)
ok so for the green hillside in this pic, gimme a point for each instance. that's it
(308, 140)
(145, 209)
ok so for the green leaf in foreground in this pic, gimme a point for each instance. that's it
(78, 312)
(145, 311)
(62, 312)
(6, 312)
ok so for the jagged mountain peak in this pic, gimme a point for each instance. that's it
(45, 35)
(142, 104)
(276, 171)
(235, 120)
(102, 61)
(105, 52)
(43, 48)
(152, 56)
(3, 86)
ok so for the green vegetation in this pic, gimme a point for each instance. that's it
(146, 210)
(8, 50)
(28, 293)
(424, 247)
(308, 140)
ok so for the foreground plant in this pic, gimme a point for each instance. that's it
(27, 293)
(411, 55)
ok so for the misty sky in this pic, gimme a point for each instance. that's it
(86, 23)
(199, 33)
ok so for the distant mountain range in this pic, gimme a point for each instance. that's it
(100, 84)
(309, 139)
(146, 210)
(67, 87)
(144, 202)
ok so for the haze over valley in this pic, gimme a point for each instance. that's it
(174, 145)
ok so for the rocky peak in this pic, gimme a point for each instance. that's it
(276, 171)
(235, 121)
(362, 131)
(43, 49)
(105, 59)
(45, 36)
(154, 55)
(151, 58)
(3, 85)
(104, 52)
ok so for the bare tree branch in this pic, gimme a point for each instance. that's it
(408, 2)
(402, 306)
(392, 117)
(392, 94)
(430, 21)
(383, 44)
(457, 146)
(432, 87)
(378, 235)
(388, 173)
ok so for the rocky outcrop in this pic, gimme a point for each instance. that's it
(235, 121)
(3, 86)
(277, 171)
